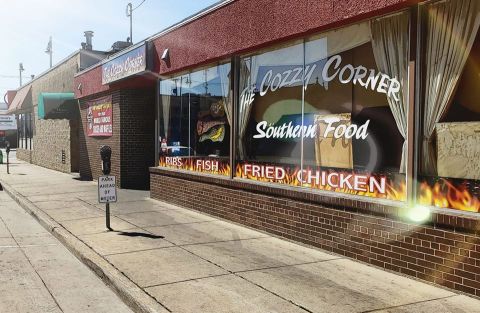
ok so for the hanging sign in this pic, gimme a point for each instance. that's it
(99, 117)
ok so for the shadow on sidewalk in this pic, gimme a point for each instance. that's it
(137, 234)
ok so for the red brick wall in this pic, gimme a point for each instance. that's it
(242, 26)
(137, 123)
(90, 165)
(132, 141)
(446, 251)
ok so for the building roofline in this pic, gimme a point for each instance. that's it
(64, 60)
(191, 18)
(163, 32)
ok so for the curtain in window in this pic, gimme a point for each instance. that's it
(451, 29)
(390, 48)
(224, 73)
(166, 94)
(248, 78)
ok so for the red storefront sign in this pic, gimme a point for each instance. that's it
(99, 117)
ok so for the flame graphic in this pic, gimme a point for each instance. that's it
(394, 191)
(444, 194)
(188, 164)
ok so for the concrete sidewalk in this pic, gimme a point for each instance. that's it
(38, 274)
(164, 258)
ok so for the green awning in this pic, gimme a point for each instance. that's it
(57, 105)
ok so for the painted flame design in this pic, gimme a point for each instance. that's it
(394, 191)
(188, 164)
(444, 194)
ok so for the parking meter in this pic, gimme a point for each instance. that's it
(8, 147)
(105, 154)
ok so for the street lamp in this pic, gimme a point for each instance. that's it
(49, 50)
(20, 69)
(129, 14)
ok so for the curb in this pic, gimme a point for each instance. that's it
(132, 295)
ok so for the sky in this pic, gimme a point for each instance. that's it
(26, 25)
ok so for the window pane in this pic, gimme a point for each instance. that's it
(270, 115)
(450, 152)
(357, 147)
(195, 109)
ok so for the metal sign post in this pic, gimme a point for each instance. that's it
(107, 190)
(107, 193)
(8, 153)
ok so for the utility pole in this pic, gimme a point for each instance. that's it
(20, 69)
(49, 50)
(130, 14)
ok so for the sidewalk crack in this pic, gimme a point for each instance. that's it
(33, 267)
(408, 304)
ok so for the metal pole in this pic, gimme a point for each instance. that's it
(8, 164)
(50, 50)
(107, 216)
(20, 69)
(131, 14)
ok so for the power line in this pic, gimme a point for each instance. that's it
(138, 5)
(9, 76)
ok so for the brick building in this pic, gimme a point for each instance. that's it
(347, 125)
(48, 116)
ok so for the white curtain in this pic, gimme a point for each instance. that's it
(248, 78)
(390, 48)
(224, 73)
(451, 29)
(165, 95)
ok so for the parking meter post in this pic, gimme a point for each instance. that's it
(8, 152)
(107, 216)
(105, 154)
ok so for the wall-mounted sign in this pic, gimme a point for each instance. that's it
(99, 117)
(8, 122)
(127, 64)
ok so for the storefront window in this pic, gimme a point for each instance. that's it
(195, 113)
(450, 151)
(345, 130)
(25, 130)
(269, 103)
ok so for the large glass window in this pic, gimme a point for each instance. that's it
(25, 130)
(195, 114)
(329, 112)
(268, 104)
(449, 158)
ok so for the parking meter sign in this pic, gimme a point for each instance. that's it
(107, 191)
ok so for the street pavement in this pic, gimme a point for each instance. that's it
(38, 274)
(192, 262)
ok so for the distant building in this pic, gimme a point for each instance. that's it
(8, 127)
(48, 114)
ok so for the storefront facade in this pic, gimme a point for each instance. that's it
(48, 117)
(348, 126)
(117, 108)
